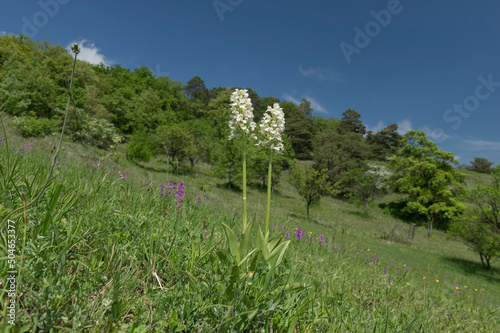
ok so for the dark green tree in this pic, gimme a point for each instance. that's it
(299, 129)
(338, 153)
(351, 122)
(198, 95)
(481, 165)
(384, 143)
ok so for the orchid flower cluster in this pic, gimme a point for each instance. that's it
(272, 126)
(179, 195)
(299, 233)
(242, 109)
(166, 189)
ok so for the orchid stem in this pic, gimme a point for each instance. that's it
(268, 208)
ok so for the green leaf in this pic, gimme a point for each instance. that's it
(50, 209)
(193, 283)
(273, 243)
(249, 255)
(232, 242)
(245, 238)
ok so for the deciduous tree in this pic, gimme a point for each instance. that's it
(310, 183)
(427, 176)
(479, 226)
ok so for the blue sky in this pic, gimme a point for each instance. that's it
(425, 65)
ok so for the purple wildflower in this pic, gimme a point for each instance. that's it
(321, 239)
(160, 191)
(310, 239)
(198, 200)
(57, 163)
(179, 195)
(374, 260)
(123, 175)
(279, 228)
(168, 188)
(336, 249)
(287, 234)
(30, 145)
(96, 166)
(299, 233)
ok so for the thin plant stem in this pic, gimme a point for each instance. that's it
(244, 183)
(44, 187)
(268, 208)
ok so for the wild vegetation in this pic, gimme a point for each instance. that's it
(145, 234)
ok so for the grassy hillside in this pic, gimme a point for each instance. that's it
(111, 254)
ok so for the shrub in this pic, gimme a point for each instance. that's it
(142, 147)
(34, 127)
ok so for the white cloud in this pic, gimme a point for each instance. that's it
(320, 73)
(435, 134)
(315, 104)
(380, 126)
(90, 53)
(405, 126)
(481, 145)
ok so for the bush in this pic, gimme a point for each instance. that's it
(34, 127)
(142, 147)
(98, 132)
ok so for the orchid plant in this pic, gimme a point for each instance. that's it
(270, 130)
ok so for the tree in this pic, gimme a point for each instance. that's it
(228, 159)
(310, 183)
(365, 185)
(351, 122)
(384, 143)
(479, 226)
(321, 124)
(338, 153)
(148, 113)
(198, 95)
(200, 136)
(299, 129)
(481, 165)
(426, 174)
(176, 142)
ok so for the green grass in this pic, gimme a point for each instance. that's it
(92, 268)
